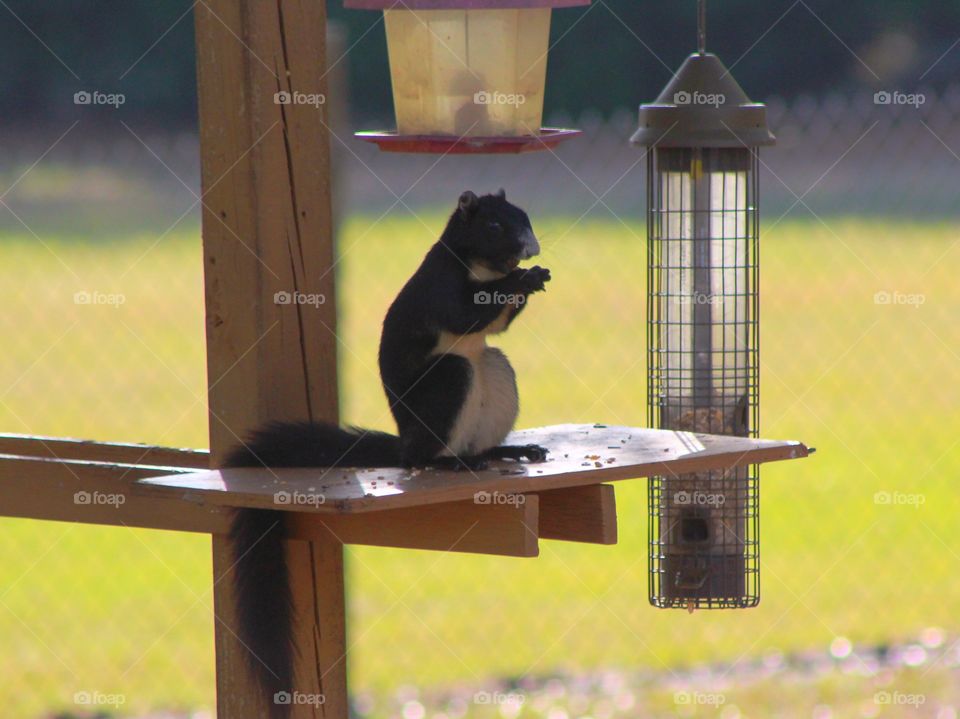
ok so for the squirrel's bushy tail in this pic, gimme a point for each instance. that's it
(264, 602)
(265, 613)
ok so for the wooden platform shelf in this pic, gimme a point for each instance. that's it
(579, 455)
(502, 510)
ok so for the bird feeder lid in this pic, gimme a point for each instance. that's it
(459, 4)
(703, 106)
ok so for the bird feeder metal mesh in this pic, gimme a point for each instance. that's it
(702, 328)
(703, 368)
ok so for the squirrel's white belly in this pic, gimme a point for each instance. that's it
(491, 407)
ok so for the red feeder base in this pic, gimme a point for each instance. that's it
(548, 138)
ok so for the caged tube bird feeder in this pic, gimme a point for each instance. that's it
(468, 76)
(703, 135)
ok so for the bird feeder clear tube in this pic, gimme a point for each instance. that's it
(702, 345)
(703, 216)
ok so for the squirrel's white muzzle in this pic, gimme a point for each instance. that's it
(529, 245)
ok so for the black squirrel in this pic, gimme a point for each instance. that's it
(454, 400)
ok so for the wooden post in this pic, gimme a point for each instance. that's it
(268, 254)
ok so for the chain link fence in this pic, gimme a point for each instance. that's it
(103, 338)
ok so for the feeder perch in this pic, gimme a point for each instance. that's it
(703, 354)
(468, 75)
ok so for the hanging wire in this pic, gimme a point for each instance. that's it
(702, 26)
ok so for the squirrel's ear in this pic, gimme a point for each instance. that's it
(502, 194)
(468, 203)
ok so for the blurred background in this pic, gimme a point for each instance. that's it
(860, 357)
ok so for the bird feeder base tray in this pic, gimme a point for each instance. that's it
(547, 139)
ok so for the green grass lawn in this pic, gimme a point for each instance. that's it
(873, 386)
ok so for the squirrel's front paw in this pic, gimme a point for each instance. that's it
(534, 279)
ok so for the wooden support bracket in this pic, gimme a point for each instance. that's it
(508, 529)
(579, 514)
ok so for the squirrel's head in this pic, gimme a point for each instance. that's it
(490, 234)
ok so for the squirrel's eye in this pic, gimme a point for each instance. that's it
(494, 227)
